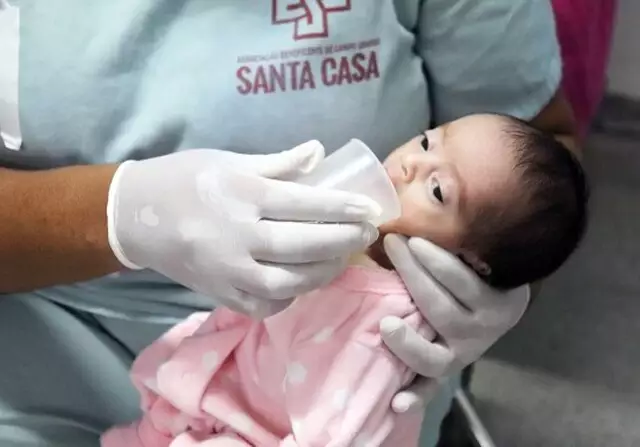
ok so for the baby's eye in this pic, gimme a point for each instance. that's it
(436, 190)
(425, 142)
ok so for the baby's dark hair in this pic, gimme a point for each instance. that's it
(547, 221)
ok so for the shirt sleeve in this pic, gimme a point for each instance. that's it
(498, 56)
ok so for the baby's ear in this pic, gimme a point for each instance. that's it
(477, 264)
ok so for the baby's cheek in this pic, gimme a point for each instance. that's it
(435, 229)
(400, 224)
(410, 223)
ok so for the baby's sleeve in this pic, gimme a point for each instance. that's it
(194, 349)
(342, 397)
(144, 370)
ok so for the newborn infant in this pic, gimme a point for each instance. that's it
(508, 200)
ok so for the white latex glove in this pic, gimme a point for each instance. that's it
(467, 315)
(221, 224)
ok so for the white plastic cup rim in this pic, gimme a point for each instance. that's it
(355, 168)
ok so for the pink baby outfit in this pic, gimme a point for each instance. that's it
(315, 375)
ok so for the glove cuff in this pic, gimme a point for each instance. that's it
(112, 206)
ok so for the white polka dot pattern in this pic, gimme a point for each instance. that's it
(296, 373)
(147, 216)
(323, 335)
(210, 361)
(340, 399)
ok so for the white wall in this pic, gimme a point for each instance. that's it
(624, 68)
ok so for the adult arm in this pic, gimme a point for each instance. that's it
(53, 227)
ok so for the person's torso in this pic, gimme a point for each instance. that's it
(108, 81)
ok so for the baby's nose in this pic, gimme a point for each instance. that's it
(417, 165)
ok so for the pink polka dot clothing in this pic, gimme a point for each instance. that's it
(314, 375)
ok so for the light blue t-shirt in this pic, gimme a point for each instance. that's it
(119, 79)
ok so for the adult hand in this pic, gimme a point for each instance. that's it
(467, 315)
(226, 225)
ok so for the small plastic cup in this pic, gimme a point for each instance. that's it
(355, 168)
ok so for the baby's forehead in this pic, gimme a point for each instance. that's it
(472, 132)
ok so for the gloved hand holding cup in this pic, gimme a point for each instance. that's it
(231, 227)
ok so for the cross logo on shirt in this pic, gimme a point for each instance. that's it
(309, 16)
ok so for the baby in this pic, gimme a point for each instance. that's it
(508, 200)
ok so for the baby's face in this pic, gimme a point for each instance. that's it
(444, 177)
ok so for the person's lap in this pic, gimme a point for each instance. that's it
(62, 382)
(64, 375)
